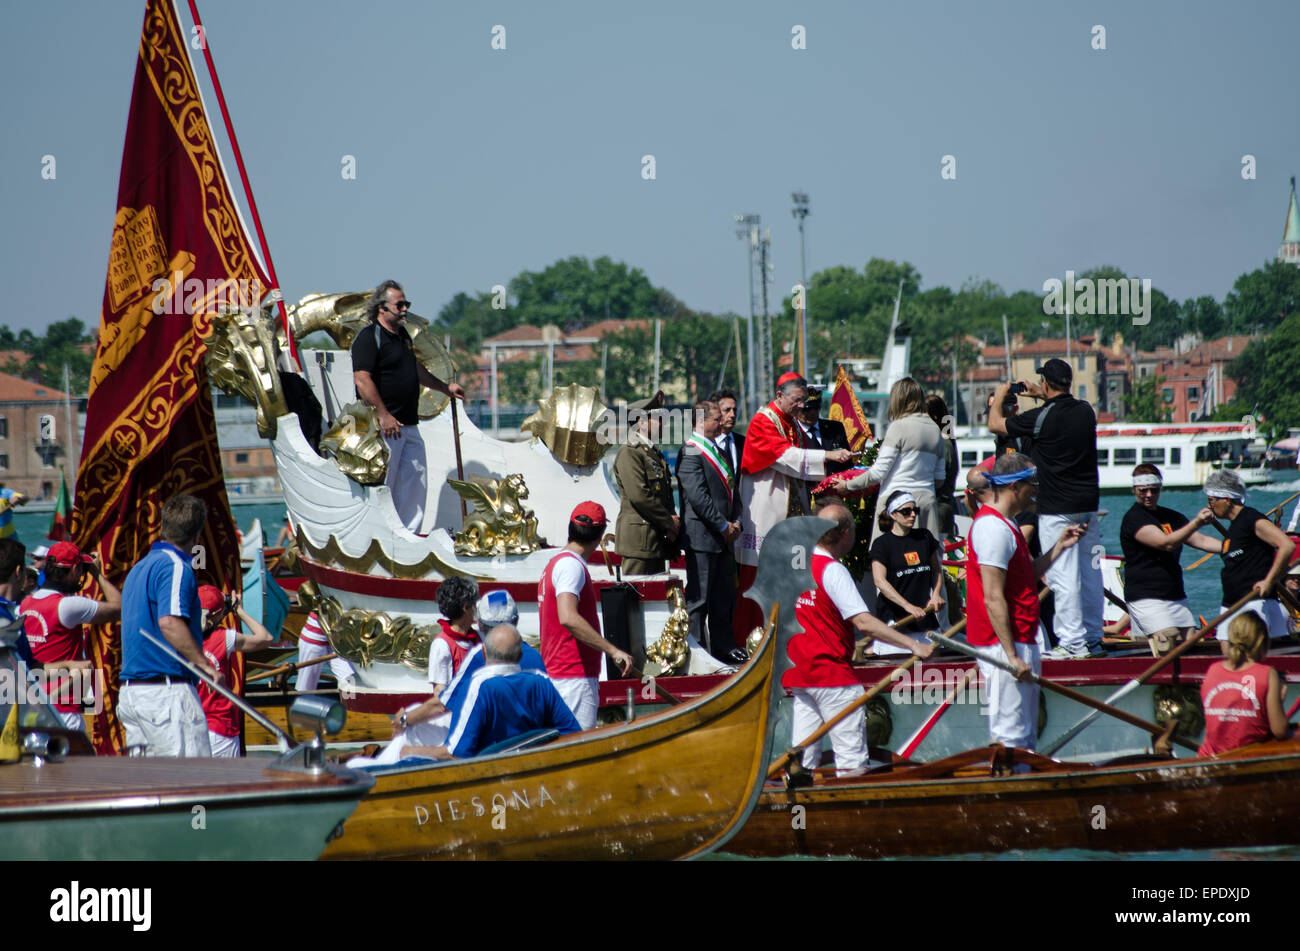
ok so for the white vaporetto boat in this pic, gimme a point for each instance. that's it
(1185, 452)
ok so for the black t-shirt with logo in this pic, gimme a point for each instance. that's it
(1246, 558)
(907, 567)
(1065, 452)
(392, 366)
(1150, 572)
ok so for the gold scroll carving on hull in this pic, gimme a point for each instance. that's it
(342, 317)
(241, 358)
(671, 651)
(569, 422)
(365, 638)
(356, 443)
(332, 554)
(500, 523)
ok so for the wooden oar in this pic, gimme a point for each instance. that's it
(460, 465)
(779, 763)
(654, 682)
(1064, 691)
(924, 730)
(1147, 674)
(285, 668)
(1119, 603)
(1294, 707)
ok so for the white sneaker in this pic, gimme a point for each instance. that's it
(1061, 652)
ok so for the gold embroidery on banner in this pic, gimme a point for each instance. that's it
(168, 67)
(138, 254)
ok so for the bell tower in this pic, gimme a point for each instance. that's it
(1289, 252)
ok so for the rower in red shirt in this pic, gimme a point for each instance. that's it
(225, 721)
(822, 680)
(53, 618)
(1242, 698)
(570, 622)
(1002, 599)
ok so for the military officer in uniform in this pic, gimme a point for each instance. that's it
(647, 528)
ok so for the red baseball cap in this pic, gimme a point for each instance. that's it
(66, 555)
(589, 513)
(211, 597)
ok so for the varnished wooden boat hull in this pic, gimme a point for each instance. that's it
(673, 784)
(1248, 798)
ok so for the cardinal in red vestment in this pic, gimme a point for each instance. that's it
(775, 470)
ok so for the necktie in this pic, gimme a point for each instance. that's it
(813, 441)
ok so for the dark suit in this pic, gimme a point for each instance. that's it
(830, 434)
(737, 450)
(707, 507)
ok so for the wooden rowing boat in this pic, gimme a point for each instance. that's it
(972, 803)
(674, 784)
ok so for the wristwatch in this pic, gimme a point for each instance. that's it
(401, 718)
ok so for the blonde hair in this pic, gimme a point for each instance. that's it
(1247, 638)
(906, 397)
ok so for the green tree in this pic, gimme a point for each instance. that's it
(63, 344)
(1268, 375)
(575, 293)
(1260, 300)
(1145, 403)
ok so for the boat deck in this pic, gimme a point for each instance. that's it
(134, 782)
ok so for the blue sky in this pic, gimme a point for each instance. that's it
(473, 164)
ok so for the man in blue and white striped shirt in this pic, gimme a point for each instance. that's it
(159, 705)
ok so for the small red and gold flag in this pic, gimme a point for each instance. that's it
(846, 408)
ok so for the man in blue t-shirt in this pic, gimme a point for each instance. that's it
(159, 705)
(503, 701)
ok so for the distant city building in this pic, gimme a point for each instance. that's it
(34, 439)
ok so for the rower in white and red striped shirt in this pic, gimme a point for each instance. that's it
(313, 643)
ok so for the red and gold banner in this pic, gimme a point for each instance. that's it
(846, 408)
(178, 248)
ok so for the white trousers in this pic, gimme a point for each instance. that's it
(309, 677)
(408, 476)
(813, 706)
(222, 745)
(1013, 706)
(1075, 580)
(72, 720)
(1271, 611)
(582, 696)
(166, 719)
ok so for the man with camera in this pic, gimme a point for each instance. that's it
(1064, 449)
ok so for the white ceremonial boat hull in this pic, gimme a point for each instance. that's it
(350, 537)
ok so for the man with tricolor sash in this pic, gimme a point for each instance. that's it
(710, 502)
(775, 471)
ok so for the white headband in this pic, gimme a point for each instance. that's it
(1146, 478)
(1224, 494)
(899, 502)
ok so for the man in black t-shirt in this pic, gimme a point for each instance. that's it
(388, 377)
(1152, 538)
(1064, 449)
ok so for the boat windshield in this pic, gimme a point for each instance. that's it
(21, 688)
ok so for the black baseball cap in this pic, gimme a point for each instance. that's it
(1057, 372)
